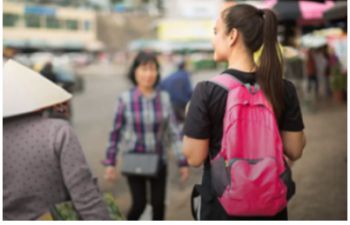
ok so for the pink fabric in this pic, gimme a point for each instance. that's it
(253, 150)
(256, 190)
(270, 3)
(314, 10)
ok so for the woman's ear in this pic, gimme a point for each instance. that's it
(233, 36)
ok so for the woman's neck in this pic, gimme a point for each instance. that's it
(145, 91)
(241, 61)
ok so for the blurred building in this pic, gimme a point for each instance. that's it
(117, 30)
(62, 3)
(31, 26)
(192, 9)
(126, 21)
(183, 26)
(149, 7)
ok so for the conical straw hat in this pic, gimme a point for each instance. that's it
(27, 91)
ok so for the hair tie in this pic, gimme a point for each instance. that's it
(261, 12)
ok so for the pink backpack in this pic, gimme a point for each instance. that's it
(247, 174)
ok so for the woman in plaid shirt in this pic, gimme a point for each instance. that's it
(145, 121)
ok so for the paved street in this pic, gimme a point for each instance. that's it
(321, 174)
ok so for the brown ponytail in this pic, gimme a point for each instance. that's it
(270, 68)
(259, 28)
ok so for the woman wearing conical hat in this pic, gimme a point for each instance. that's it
(43, 163)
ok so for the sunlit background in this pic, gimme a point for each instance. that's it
(91, 43)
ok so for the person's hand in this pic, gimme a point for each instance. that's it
(111, 174)
(184, 173)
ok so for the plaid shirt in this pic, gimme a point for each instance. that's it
(145, 124)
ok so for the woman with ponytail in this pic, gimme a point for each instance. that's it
(240, 31)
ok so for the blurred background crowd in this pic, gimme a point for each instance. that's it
(86, 46)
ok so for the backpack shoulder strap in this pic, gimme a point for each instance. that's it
(226, 81)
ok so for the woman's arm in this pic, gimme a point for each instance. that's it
(195, 150)
(115, 134)
(77, 177)
(293, 144)
(197, 127)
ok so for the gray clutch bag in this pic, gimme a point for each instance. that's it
(140, 164)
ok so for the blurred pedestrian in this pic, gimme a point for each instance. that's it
(312, 80)
(321, 62)
(63, 110)
(179, 87)
(333, 68)
(43, 161)
(144, 117)
(234, 154)
(47, 71)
